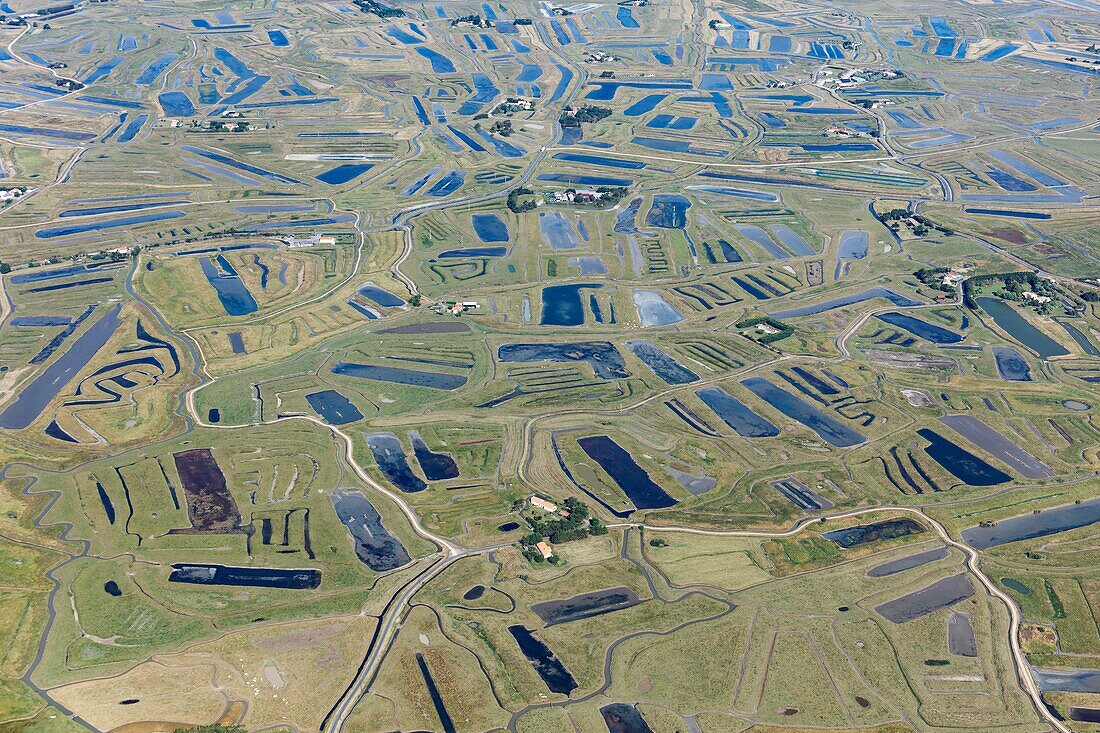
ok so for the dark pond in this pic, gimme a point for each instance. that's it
(907, 563)
(437, 699)
(176, 104)
(620, 717)
(247, 577)
(39, 393)
(960, 635)
(1011, 365)
(374, 544)
(669, 211)
(562, 305)
(508, 527)
(827, 427)
(917, 327)
(436, 466)
(343, 173)
(474, 593)
(232, 293)
(876, 292)
(108, 505)
(214, 415)
(877, 531)
(961, 463)
(474, 252)
(489, 228)
(111, 588)
(941, 594)
(440, 63)
(393, 462)
(334, 407)
(1000, 447)
(1030, 526)
(586, 605)
(397, 375)
(382, 297)
(548, 666)
(604, 358)
(627, 474)
(663, 365)
(1019, 328)
(126, 221)
(736, 414)
(1084, 715)
(236, 342)
(600, 160)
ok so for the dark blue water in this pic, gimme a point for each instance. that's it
(133, 128)
(663, 365)
(604, 358)
(669, 211)
(627, 474)
(448, 184)
(246, 577)
(1014, 214)
(489, 228)
(381, 297)
(474, 252)
(961, 463)
(236, 342)
(436, 466)
(827, 427)
(644, 105)
(98, 210)
(152, 72)
(562, 305)
(397, 375)
(1011, 365)
(176, 104)
(343, 173)
(585, 180)
(917, 327)
(626, 18)
(34, 398)
(247, 167)
(736, 414)
(70, 229)
(334, 407)
(600, 160)
(278, 38)
(876, 292)
(548, 666)
(1030, 526)
(232, 293)
(393, 463)
(374, 544)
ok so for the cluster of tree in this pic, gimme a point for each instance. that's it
(522, 21)
(377, 8)
(559, 529)
(1091, 296)
(1015, 285)
(587, 113)
(933, 278)
(502, 128)
(780, 330)
(518, 206)
(918, 224)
